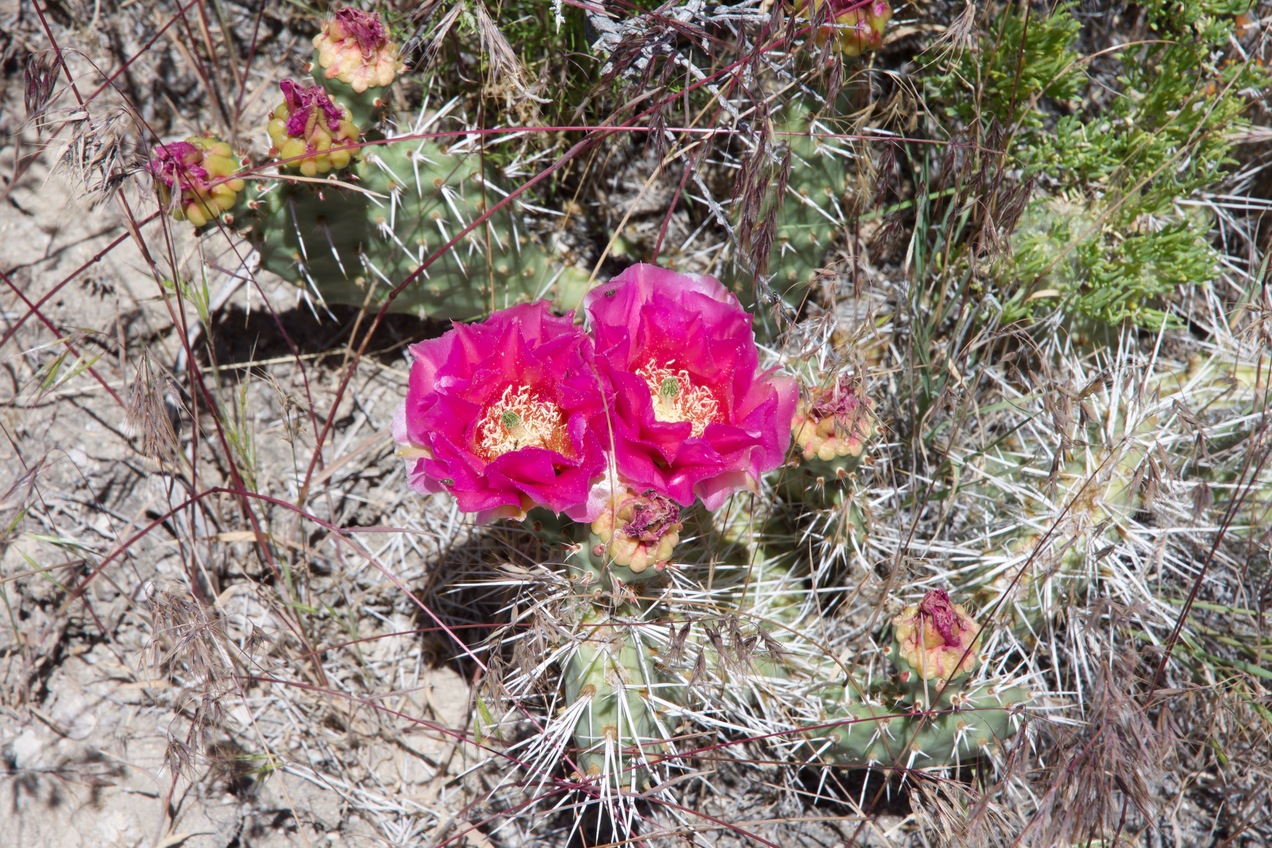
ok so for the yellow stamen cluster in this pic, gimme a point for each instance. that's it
(676, 398)
(520, 419)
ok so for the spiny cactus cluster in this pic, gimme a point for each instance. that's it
(1112, 468)
(820, 184)
(356, 209)
(930, 712)
(680, 608)
(358, 206)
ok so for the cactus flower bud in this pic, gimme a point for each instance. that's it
(935, 638)
(195, 178)
(639, 530)
(856, 26)
(354, 47)
(306, 127)
(833, 423)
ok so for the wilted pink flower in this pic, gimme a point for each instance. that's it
(507, 415)
(833, 423)
(310, 131)
(354, 47)
(693, 413)
(638, 530)
(936, 638)
(195, 178)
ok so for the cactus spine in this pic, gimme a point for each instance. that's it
(610, 679)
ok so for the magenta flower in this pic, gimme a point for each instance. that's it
(507, 415)
(693, 413)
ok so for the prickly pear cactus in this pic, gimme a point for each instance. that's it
(812, 209)
(931, 712)
(358, 209)
(354, 240)
(1083, 528)
(610, 681)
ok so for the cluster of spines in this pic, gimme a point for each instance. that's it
(611, 681)
(1073, 532)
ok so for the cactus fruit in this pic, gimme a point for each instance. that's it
(357, 59)
(854, 26)
(636, 534)
(196, 178)
(934, 640)
(310, 132)
(831, 427)
(938, 716)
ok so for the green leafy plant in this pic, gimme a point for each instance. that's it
(1108, 233)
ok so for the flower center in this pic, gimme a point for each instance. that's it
(652, 516)
(677, 399)
(936, 607)
(519, 419)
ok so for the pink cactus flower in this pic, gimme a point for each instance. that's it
(506, 415)
(694, 415)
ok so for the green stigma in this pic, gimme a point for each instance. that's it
(670, 387)
(509, 419)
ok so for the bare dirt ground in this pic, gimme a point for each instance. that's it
(111, 673)
(141, 701)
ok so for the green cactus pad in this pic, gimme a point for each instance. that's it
(975, 720)
(613, 671)
(353, 239)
